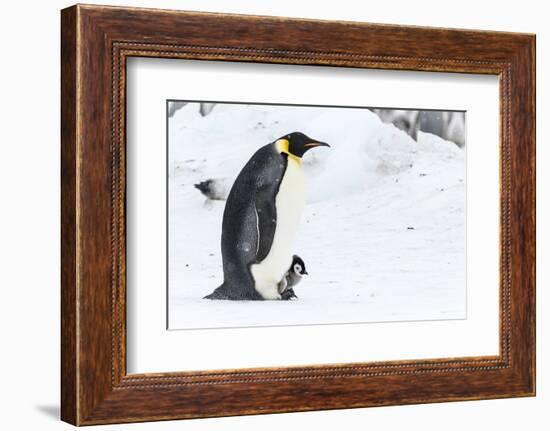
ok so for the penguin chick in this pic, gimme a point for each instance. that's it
(292, 277)
(215, 189)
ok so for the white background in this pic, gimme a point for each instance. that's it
(153, 349)
(29, 228)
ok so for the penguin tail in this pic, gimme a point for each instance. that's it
(219, 293)
(229, 292)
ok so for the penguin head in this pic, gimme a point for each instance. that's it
(299, 143)
(298, 266)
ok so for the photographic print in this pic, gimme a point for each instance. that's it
(305, 215)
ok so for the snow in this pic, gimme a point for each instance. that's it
(382, 234)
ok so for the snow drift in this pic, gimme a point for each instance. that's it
(383, 231)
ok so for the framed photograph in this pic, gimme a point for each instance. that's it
(289, 215)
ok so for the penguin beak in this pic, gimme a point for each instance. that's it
(317, 144)
(305, 272)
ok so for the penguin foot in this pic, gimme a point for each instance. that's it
(288, 294)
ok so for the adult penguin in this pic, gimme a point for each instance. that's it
(260, 220)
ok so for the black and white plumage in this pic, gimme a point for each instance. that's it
(292, 277)
(260, 220)
(215, 189)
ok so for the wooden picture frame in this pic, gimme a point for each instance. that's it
(95, 43)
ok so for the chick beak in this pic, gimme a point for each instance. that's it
(305, 272)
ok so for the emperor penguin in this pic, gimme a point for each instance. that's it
(260, 220)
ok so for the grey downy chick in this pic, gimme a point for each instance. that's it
(292, 277)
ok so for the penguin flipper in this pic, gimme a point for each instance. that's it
(264, 205)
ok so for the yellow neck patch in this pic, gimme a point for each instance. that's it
(282, 147)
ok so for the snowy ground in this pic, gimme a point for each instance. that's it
(382, 235)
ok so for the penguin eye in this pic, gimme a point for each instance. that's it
(297, 268)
